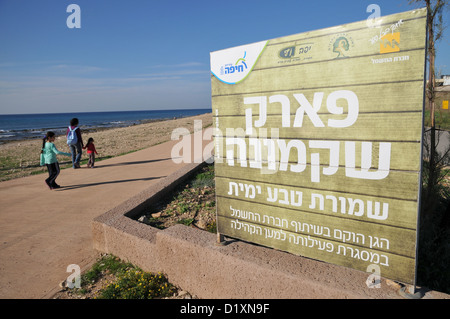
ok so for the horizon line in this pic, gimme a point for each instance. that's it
(209, 108)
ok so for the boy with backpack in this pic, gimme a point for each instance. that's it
(75, 142)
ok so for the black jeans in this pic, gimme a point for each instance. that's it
(53, 172)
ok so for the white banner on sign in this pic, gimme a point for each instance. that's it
(232, 65)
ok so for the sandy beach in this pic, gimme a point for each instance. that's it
(21, 158)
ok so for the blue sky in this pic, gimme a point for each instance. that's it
(146, 54)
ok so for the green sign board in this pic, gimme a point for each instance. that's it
(318, 141)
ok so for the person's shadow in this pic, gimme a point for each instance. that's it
(70, 187)
(64, 188)
(131, 163)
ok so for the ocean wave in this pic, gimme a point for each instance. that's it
(31, 126)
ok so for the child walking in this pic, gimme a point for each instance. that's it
(48, 158)
(91, 152)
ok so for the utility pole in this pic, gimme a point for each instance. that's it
(430, 96)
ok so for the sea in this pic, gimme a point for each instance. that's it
(15, 127)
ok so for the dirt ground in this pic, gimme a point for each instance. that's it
(192, 204)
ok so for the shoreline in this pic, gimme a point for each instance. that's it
(20, 158)
(89, 129)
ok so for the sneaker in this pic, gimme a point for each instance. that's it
(56, 186)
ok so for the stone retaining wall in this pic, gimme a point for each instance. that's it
(193, 260)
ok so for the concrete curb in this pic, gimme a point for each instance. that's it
(192, 259)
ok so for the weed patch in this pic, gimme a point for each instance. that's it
(112, 278)
(191, 204)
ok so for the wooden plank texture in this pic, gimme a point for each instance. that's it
(318, 148)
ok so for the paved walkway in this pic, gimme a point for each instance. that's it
(43, 231)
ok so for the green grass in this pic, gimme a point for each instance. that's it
(10, 165)
(108, 263)
(6, 162)
(441, 119)
(186, 221)
(205, 178)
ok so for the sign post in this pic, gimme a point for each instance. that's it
(318, 143)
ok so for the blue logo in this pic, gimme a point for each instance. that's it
(287, 53)
(237, 67)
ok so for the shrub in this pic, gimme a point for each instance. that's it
(137, 284)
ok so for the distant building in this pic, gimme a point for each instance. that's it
(442, 97)
(446, 79)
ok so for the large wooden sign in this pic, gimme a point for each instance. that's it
(318, 140)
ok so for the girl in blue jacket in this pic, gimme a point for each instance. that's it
(48, 158)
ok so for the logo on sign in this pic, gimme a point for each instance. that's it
(232, 66)
(287, 53)
(388, 39)
(290, 52)
(239, 66)
(341, 45)
(390, 43)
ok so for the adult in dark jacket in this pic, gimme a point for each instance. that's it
(75, 149)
